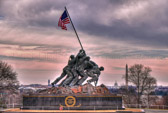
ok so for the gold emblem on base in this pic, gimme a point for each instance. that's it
(70, 101)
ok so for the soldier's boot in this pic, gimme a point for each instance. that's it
(94, 78)
(52, 84)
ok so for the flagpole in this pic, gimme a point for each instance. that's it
(74, 28)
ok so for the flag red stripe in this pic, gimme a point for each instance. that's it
(61, 23)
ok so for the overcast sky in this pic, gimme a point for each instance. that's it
(113, 33)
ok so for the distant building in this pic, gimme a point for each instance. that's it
(116, 85)
(49, 82)
(126, 76)
(114, 89)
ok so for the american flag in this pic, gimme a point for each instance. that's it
(64, 19)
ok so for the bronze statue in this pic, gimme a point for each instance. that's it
(79, 68)
(66, 71)
(80, 58)
(94, 73)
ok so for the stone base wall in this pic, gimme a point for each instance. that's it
(72, 102)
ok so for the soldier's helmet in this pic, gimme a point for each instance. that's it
(82, 51)
(101, 68)
(87, 58)
(72, 56)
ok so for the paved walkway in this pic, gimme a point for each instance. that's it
(155, 111)
(64, 111)
(17, 110)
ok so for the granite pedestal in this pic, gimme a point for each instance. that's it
(72, 102)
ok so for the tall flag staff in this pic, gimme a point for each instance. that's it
(66, 19)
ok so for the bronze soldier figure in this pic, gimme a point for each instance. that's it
(94, 73)
(83, 65)
(66, 71)
(79, 67)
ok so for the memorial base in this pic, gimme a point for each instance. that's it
(86, 99)
(72, 102)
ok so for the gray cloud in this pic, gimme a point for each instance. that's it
(137, 35)
(30, 58)
(118, 68)
(33, 13)
(122, 52)
(141, 31)
(147, 27)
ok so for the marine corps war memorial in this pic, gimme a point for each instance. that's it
(75, 90)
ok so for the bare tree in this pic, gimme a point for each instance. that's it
(8, 84)
(8, 78)
(150, 87)
(129, 95)
(165, 100)
(140, 77)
